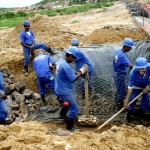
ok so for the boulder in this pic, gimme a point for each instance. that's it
(5, 70)
(7, 90)
(27, 93)
(5, 75)
(11, 76)
(20, 98)
(36, 96)
(20, 86)
(12, 87)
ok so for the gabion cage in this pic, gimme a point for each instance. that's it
(102, 99)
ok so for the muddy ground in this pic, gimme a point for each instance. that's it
(98, 26)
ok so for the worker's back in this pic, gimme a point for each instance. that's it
(41, 65)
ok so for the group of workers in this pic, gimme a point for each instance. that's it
(139, 81)
(60, 78)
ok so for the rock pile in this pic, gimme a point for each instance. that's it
(21, 101)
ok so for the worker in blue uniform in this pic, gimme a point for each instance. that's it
(139, 80)
(27, 40)
(3, 105)
(43, 66)
(80, 61)
(65, 78)
(120, 64)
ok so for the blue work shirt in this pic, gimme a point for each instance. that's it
(120, 62)
(83, 59)
(1, 83)
(65, 76)
(24, 37)
(41, 65)
(136, 80)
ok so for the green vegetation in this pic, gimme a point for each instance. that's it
(11, 19)
(76, 9)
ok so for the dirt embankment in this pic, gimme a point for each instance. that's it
(33, 136)
(56, 32)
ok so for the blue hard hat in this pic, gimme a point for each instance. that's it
(128, 42)
(141, 63)
(73, 50)
(26, 23)
(75, 41)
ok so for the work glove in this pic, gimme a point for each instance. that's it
(146, 89)
(84, 69)
(126, 101)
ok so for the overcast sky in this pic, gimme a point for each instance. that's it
(17, 3)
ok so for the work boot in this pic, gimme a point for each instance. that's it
(128, 116)
(70, 125)
(51, 51)
(5, 122)
(142, 116)
(63, 112)
(26, 70)
(43, 100)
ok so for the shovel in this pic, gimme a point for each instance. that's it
(100, 127)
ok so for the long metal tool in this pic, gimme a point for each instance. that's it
(100, 127)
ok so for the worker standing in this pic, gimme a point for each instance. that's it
(65, 77)
(43, 66)
(80, 61)
(3, 105)
(120, 64)
(139, 80)
(27, 40)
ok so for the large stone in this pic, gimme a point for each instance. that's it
(7, 90)
(20, 98)
(11, 87)
(5, 75)
(7, 80)
(15, 94)
(5, 70)
(11, 76)
(15, 107)
(28, 93)
(20, 86)
(36, 96)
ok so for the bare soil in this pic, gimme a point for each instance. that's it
(98, 26)
(34, 135)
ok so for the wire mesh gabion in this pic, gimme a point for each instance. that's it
(102, 98)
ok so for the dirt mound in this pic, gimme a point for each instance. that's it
(33, 136)
(47, 31)
(113, 35)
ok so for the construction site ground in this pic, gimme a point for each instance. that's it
(98, 26)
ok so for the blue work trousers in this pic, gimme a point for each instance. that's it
(3, 110)
(43, 82)
(27, 52)
(89, 81)
(73, 106)
(144, 101)
(120, 82)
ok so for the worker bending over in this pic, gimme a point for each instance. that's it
(80, 60)
(139, 80)
(43, 66)
(65, 77)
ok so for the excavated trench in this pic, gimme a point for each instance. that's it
(103, 96)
